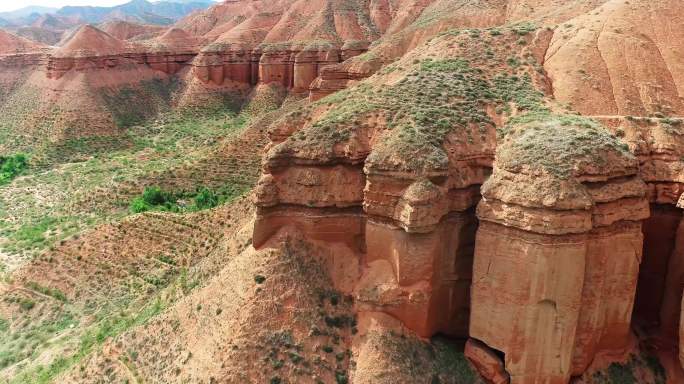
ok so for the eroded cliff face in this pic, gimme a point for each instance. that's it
(355, 161)
(293, 68)
(285, 42)
(656, 142)
(558, 250)
(551, 245)
(416, 26)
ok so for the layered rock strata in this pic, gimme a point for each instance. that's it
(559, 241)
(17, 52)
(657, 144)
(293, 68)
(557, 252)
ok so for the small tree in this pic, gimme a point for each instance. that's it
(138, 205)
(155, 196)
(12, 166)
(205, 199)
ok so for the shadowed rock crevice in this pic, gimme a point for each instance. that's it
(660, 238)
(658, 310)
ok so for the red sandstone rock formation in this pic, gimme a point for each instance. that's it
(412, 23)
(558, 254)
(286, 42)
(486, 362)
(171, 51)
(124, 30)
(89, 47)
(556, 258)
(11, 44)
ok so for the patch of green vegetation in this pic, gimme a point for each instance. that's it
(627, 373)
(524, 28)
(15, 130)
(52, 292)
(24, 341)
(53, 202)
(26, 304)
(107, 318)
(80, 149)
(341, 377)
(156, 199)
(621, 374)
(557, 144)
(259, 279)
(441, 360)
(434, 99)
(12, 166)
(340, 321)
(656, 367)
(166, 259)
(451, 362)
(190, 128)
(33, 235)
(59, 198)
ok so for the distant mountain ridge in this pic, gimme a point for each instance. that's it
(142, 11)
(27, 11)
(48, 25)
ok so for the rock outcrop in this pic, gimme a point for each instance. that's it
(657, 143)
(89, 47)
(546, 275)
(419, 23)
(16, 52)
(172, 51)
(558, 249)
(286, 42)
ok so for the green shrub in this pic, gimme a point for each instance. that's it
(152, 198)
(621, 374)
(524, 28)
(155, 196)
(206, 199)
(12, 166)
(138, 205)
(156, 199)
(341, 377)
(27, 304)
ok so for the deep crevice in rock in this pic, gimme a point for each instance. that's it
(660, 232)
